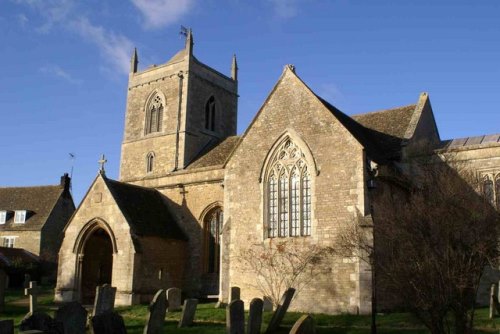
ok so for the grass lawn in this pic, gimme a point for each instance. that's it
(210, 320)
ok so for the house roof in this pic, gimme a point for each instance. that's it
(217, 155)
(8, 256)
(470, 142)
(145, 210)
(38, 201)
(393, 122)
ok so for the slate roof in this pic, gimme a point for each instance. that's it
(217, 155)
(145, 210)
(381, 133)
(38, 201)
(469, 142)
(8, 256)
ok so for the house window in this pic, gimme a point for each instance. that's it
(3, 217)
(210, 114)
(20, 217)
(288, 197)
(150, 159)
(8, 242)
(213, 227)
(154, 115)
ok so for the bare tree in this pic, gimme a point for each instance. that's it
(433, 241)
(279, 265)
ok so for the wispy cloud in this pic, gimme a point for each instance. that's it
(115, 48)
(22, 19)
(57, 71)
(161, 13)
(285, 9)
(53, 11)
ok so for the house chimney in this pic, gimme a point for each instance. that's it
(65, 182)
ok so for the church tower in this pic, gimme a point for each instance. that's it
(175, 112)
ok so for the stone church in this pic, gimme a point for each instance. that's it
(192, 194)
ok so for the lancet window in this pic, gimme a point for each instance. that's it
(213, 226)
(288, 188)
(154, 115)
(210, 114)
(150, 162)
(491, 188)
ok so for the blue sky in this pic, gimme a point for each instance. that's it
(65, 63)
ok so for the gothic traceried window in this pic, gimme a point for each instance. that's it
(288, 197)
(488, 190)
(210, 114)
(213, 227)
(154, 115)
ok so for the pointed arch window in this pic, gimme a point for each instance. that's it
(288, 193)
(488, 191)
(212, 230)
(154, 115)
(210, 114)
(150, 162)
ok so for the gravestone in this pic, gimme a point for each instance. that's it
(235, 317)
(280, 312)
(32, 292)
(235, 293)
(174, 299)
(27, 280)
(107, 323)
(255, 316)
(305, 325)
(157, 312)
(3, 279)
(73, 316)
(268, 304)
(188, 311)
(7, 326)
(104, 299)
(39, 321)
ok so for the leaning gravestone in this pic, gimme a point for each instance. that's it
(188, 312)
(305, 325)
(7, 326)
(157, 312)
(280, 312)
(235, 293)
(235, 317)
(107, 323)
(104, 299)
(255, 316)
(3, 279)
(174, 299)
(73, 316)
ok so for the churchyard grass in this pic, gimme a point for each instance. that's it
(209, 320)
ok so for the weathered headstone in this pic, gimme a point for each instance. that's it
(188, 312)
(3, 278)
(268, 304)
(107, 323)
(280, 312)
(27, 280)
(305, 325)
(104, 299)
(494, 305)
(255, 316)
(235, 293)
(32, 292)
(174, 299)
(7, 326)
(73, 316)
(39, 321)
(235, 317)
(157, 312)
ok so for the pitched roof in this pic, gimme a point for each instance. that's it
(9, 256)
(38, 201)
(381, 133)
(145, 210)
(470, 142)
(216, 155)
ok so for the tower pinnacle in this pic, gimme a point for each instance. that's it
(134, 61)
(234, 69)
(189, 42)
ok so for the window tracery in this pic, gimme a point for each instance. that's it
(490, 185)
(154, 115)
(288, 188)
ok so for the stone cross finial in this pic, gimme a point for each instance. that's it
(102, 162)
(32, 292)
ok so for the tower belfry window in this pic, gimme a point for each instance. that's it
(210, 114)
(150, 160)
(154, 115)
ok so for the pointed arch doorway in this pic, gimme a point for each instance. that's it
(96, 261)
(212, 228)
